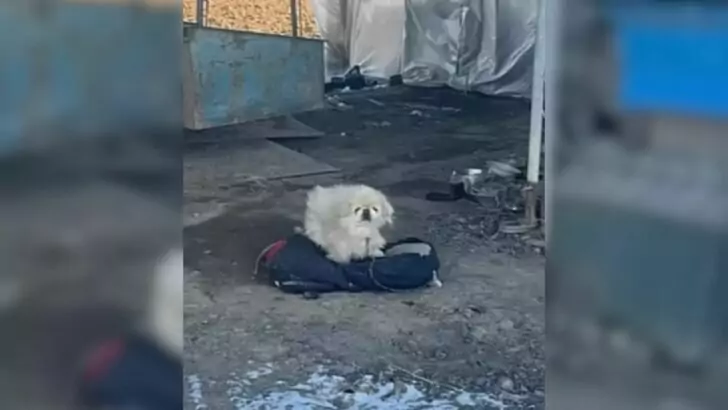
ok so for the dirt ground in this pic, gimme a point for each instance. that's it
(477, 342)
(262, 16)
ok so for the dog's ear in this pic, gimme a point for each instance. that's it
(314, 192)
(387, 212)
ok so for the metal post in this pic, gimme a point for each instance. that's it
(294, 17)
(537, 116)
(200, 18)
(537, 99)
(552, 127)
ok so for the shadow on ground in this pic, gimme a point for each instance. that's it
(224, 249)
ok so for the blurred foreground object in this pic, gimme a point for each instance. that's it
(637, 262)
(90, 181)
(132, 373)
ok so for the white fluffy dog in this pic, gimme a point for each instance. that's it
(345, 220)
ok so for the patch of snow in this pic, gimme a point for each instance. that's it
(323, 391)
(195, 392)
(259, 372)
(465, 399)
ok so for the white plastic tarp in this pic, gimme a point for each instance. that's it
(367, 33)
(476, 45)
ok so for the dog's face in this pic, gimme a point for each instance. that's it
(366, 213)
(370, 208)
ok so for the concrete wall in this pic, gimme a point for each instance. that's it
(232, 77)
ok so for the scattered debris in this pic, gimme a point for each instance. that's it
(536, 243)
(375, 102)
(337, 104)
(501, 205)
(503, 169)
(426, 107)
(336, 83)
(516, 227)
(354, 78)
(311, 295)
(377, 124)
(506, 383)
(457, 192)
(468, 184)
(396, 80)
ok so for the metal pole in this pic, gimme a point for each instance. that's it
(200, 19)
(552, 127)
(537, 99)
(294, 17)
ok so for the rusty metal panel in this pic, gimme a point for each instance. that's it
(233, 77)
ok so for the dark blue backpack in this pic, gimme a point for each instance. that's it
(298, 265)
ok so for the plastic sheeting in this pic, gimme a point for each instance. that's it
(367, 33)
(475, 45)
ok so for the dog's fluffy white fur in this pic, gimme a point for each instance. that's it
(345, 221)
(164, 319)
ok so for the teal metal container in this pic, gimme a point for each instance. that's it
(232, 77)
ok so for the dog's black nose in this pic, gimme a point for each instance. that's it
(366, 214)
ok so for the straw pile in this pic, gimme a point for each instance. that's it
(263, 16)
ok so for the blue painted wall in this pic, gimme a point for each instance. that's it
(85, 69)
(241, 76)
(672, 61)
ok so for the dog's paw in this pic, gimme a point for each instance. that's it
(435, 282)
(377, 253)
(341, 259)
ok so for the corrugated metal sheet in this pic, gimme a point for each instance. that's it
(233, 77)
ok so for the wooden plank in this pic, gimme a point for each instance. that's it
(273, 128)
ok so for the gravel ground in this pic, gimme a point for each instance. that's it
(262, 16)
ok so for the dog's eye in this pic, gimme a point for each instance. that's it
(375, 209)
(357, 209)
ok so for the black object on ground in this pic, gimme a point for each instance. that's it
(297, 265)
(336, 83)
(132, 373)
(354, 78)
(311, 295)
(457, 192)
(395, 80)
